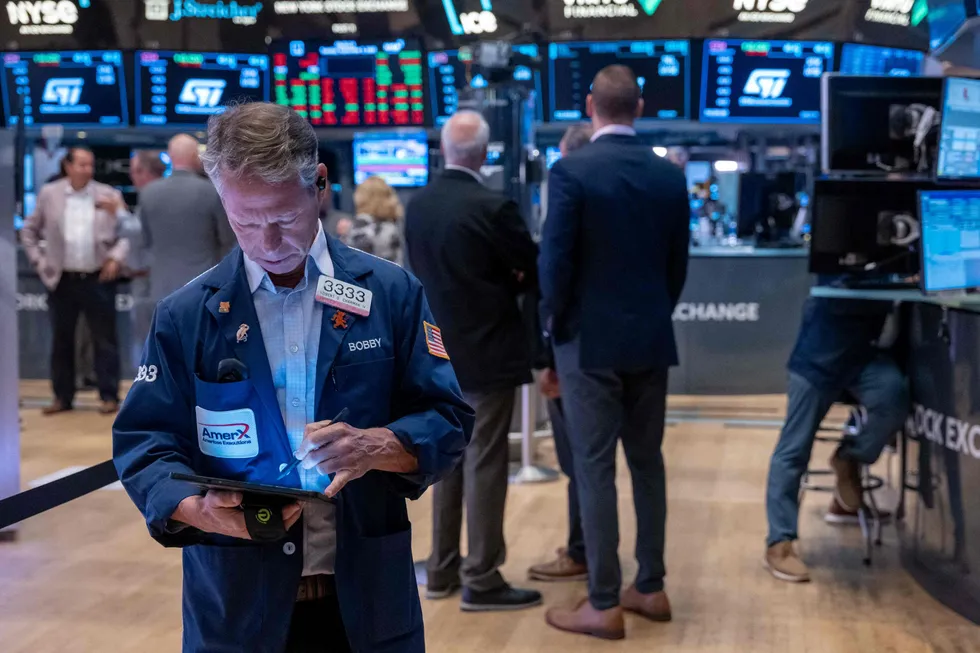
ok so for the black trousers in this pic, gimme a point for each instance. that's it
(317, 627)
(563, 448)
(83, 294)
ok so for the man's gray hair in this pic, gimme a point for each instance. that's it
(261, 141)
(465, 138)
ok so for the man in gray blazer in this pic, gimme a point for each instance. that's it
(72, 240)
(185, 228)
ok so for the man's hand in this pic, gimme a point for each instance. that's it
(110, 271)
(349, 453)
(221, 513)
(548, 382)
(110, 203)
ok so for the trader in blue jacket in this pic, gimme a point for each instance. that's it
(243, 370)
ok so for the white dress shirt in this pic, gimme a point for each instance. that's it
(618, 130)
(290, 320)
(79, 229)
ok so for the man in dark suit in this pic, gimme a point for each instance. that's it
(613, 264)
(474, 255)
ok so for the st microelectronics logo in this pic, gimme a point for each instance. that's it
(63, 91)
(201, 96)
(767, 83)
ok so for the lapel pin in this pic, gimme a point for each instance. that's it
(242, 335)
(339, 320)
(224, 307)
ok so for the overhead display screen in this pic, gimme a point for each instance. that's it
(351, 83)
(959, 137)
(859, 59)
(661, 67)
(186, 88)
(763, 81)
(450, 70)
(76, 89)
(950, 240)
(400, 159)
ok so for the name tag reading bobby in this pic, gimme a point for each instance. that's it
(342, 295)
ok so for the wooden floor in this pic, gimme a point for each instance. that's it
(86, 577)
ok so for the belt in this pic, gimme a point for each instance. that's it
(313, 588)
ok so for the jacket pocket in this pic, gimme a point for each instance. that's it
(390, 589)
(228, 435)
(365, 389)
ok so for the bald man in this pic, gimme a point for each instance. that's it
(186, 229)
(472, 251)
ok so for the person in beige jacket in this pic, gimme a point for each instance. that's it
(72, 240)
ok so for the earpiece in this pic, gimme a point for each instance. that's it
(321, 183)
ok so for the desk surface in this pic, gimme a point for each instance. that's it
(963, 302)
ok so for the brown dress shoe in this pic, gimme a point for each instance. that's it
(784, 563)
(838, 515)
(655, 607)
(56, 407)
(848, 490)
(109, 407)
(559, 569)
(583, 619)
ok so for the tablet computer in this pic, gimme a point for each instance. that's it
(209, 483)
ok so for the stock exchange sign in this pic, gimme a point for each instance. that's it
(610, 8)
(42, 17)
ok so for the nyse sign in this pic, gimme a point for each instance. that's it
(769, 11)
(890, 12)
(43, 17)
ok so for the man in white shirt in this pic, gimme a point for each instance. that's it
(72, 241)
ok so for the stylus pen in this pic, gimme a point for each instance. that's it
(288, 469)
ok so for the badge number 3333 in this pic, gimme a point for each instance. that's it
(343, 295)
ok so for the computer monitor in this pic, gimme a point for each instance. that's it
(950, 240)
(186, 88)
(401, 159)
(763, 81)
(450, 70)
(767, 203)
(348, 83)
(945, 18)
(662, 69)
(861, 59)
(862, 225)
(879, 124)
(79, 90)
(959, 136)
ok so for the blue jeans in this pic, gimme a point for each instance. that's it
(603, 407)
(880, 387)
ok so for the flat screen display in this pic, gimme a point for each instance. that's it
(959, 137)
(82, 89)
(450, 70)
(763, 81)
(662, 69)
(401, 159)
(859, 59)
(950, 240)
(186, 88)
(351, 83)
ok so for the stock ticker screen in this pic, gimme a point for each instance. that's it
(401, 159)
(450, 70)
(860, 59)
(186, 88)
(763, 81)
(661, 68)
(959, 136)
(75, 89)
(950, 240)
(351, 83)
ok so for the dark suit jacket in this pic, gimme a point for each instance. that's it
(468, 245)
(614, 254)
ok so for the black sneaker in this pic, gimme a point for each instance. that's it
(505, 598)
(436, 592)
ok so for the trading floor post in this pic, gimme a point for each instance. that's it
(9, 420)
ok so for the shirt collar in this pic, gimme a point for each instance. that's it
(471, 173)
(86, 189)
(618, 130)
(319, 257)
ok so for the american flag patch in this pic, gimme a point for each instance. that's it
(433, 340)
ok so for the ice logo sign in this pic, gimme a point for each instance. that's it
(201, 96)
(63, 95)
(767, 83)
